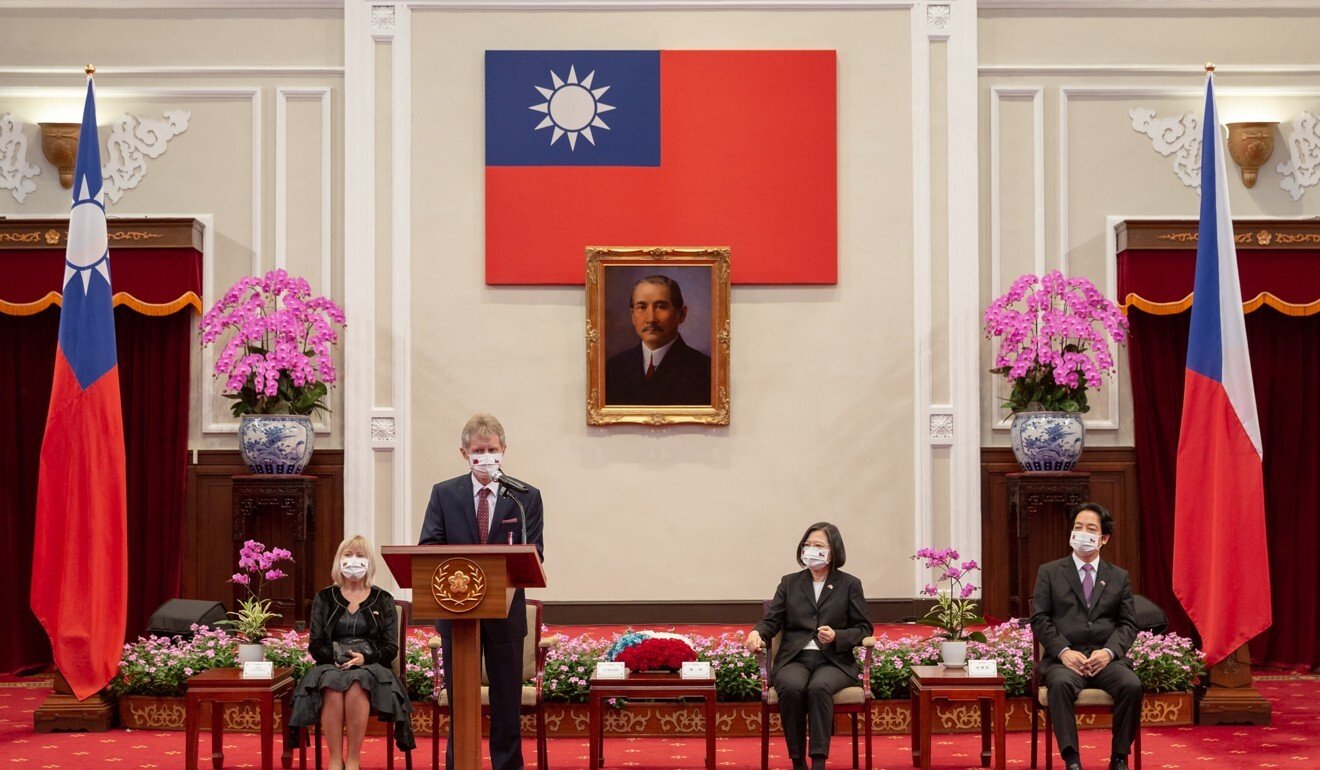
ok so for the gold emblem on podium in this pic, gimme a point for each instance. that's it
(458, 585)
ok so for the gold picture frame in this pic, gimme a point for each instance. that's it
(620, 389)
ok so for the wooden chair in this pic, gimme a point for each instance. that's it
(399, 666)
(855, 701)
(1090, 700)
(535, 650)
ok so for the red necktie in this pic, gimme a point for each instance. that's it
(483, 514)
(650, 370)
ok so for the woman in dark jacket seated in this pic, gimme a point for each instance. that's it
(354, 639)
(821, 612)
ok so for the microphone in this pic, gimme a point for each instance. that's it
(510, 482)
(509, 485)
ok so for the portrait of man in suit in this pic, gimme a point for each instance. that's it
(1085, 619)
(662, 368)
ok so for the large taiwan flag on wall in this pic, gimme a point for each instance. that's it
(661, 148)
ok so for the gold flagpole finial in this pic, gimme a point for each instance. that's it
(1209, 66)
(89, 69)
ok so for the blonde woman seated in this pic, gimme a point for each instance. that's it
(354, 639)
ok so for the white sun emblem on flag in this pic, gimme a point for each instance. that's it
(572, 108)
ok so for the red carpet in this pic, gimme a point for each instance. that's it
(1289, 743)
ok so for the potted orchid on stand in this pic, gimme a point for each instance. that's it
(257, 566)
(954, 610)
(1054, 335)
(276, 363)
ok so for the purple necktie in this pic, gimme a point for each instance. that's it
(1087, 583)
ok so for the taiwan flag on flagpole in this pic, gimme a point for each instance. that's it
(1221, 570)
(79, 560)
(661, 148)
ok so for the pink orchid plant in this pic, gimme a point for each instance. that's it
(954, 609)
(257, 566)
(277, 358)
(1054, 335)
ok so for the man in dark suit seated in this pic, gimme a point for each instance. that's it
(467, 510)
(1085, 621)
(662, 369)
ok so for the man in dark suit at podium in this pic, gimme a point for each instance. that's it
(1084, 618)
(467, 510)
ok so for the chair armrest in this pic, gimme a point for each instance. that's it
(549, 643)
(762, 659)
(434, 644)
(864, 675)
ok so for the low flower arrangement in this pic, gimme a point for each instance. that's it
(160, 666)
(418, 671)
(652, 651)
(1166, 662)
(289, 650)
(569, 666)
(737, 671)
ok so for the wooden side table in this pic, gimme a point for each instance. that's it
(648, 686)
(219, 686)
(930, 683)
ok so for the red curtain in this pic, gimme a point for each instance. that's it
(1285, 362)
(153, 373)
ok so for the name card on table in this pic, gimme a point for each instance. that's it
(262, 669)
(611, 669)
(695, 670)
(982, 668)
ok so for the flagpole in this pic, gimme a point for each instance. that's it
(1228, 697)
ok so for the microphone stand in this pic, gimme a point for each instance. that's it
(522, 512)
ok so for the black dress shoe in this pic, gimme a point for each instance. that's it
(1118, 764)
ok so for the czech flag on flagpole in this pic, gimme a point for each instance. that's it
(1221, 571)
(79, 560)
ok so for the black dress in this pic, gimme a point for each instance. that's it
(372, 630)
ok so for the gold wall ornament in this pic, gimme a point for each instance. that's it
(458, 585)
(605, 324)
(59, 143)
(1250, 145)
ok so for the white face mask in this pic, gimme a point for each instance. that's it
(353, 567)
(485, 462)
(1084, 543)
(815, 558)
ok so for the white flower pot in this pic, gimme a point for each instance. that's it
(251, 653)
(953, 654)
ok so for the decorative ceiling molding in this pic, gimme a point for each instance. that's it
(1302, 169)
(133, 140)
(15, 172)
(1179, 137)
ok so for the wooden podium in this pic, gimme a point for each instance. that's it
(464, 584)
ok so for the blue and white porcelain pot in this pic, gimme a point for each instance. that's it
(1048, 441)
(276, 443)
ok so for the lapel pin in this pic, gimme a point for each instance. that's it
(830, 586)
